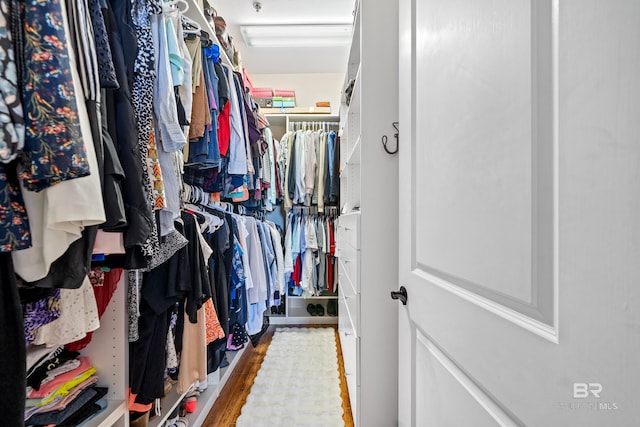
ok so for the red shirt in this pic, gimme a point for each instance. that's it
(224, 129)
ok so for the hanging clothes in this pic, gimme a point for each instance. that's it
(311, 164)
(121, 127)
(144, 76)
(54, 141)
(66, 208)
(309, 252)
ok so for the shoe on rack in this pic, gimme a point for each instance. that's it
(332, 307)
(319, 310)
(255, 339)
(190, 404)
(311, 309)
(139, 419)
(231, 346)
(224, 362)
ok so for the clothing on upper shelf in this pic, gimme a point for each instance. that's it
(311, 161)
(228, 154)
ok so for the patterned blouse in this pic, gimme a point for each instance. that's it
(54, 147)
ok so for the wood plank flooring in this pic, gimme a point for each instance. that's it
(227, 408)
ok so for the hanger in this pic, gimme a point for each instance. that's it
(206, 40)
(169, 6)
(189, 26)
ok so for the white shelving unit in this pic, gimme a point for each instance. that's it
(297, 314)
(216, 381)
(279, 123)
(296, 306)
(109, 353)
(367, 246)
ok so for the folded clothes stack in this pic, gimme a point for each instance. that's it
(61, 389)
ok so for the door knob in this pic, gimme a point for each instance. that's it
(400, 294)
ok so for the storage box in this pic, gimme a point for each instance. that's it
(286, 102)
(264, 102)
(262, 92)
(284, 93)
(263, 96)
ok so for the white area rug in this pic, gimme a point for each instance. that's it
(298, 384)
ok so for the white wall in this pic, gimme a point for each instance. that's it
(310, 87)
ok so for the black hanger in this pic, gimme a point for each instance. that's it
(205, 39)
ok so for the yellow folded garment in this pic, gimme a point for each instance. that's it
(65, 388)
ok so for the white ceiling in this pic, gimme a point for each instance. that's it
(270, 60)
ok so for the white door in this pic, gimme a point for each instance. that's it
(520, 234)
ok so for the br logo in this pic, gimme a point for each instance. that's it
(584, 390)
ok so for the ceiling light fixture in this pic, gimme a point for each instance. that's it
(306, 35)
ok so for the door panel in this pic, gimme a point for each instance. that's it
(520, 130)
(483, 209)
(438, 379)
(475, 175)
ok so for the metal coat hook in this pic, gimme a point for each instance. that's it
(385, 140)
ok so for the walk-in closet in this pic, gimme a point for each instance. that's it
(337, 213)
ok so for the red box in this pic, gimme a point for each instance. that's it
(262, 92)
(285, 93)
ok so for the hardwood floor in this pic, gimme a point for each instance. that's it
(227, 408)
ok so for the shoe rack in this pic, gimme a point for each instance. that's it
(300, 310)
(205, 398)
